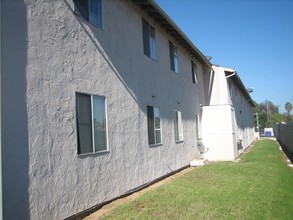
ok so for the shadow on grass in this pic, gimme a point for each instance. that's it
(288, 153)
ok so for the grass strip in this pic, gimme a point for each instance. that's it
(260, 186)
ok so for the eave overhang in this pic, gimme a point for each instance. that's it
(238, 82)
(160, 17)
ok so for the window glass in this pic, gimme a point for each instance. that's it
(174, 62)
(83, 103)
(81, 7)
(158, 137)
(149, 40)
(95, 12)
(157, 117)
(154, 125)
(91, 123)
(91, 10)
(194, 72)
(153, 53)
(99, 119)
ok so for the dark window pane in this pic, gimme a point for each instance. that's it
(151, 127)
(84, 123)
(81, 7)
(85, 139)
(171, 55)
(84, 108)
(192, 71)
(95, 13)
(152, 36)
(176, 61)
(146, 40)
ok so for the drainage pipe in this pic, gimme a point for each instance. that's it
(231, 74)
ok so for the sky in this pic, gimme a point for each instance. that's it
(255, 37)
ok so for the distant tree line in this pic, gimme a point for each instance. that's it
(267, 114)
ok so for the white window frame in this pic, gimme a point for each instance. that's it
(178, 127)
(106, 148)
(198, 127)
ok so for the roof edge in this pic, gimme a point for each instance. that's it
(163, 14)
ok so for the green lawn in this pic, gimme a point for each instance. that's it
(260, 186)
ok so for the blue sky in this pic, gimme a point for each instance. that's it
(253, 36)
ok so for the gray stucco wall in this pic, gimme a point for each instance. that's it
(50, 54)
(244, 118)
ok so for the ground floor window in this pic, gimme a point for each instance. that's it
(198, 127)
(178, 126)
(91, 123)
(154, 125)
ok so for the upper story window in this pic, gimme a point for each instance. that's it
(149, 40)
(154, 125)
(178, 126)
(194, 72)
(91, 123)
(174, 62)
(91, 10)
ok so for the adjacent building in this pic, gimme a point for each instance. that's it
(99, 98)
(227, 121)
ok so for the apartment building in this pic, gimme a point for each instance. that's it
(98, 98)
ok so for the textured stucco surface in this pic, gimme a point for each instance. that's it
(50, 54)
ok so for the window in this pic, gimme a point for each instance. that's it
(198, 126)
(149, 40)
(154, 125)
(91, 123)
(178, 126)
(91, 10)
(194, 72)
(174, 57)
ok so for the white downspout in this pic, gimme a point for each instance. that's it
(1, 207)
(231, 74)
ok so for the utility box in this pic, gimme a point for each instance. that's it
(269, 132)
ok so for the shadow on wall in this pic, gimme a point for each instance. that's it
(15, 152)
(143, 82)
(209, 82)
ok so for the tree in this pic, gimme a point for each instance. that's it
(268, 114)
(288, 107)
